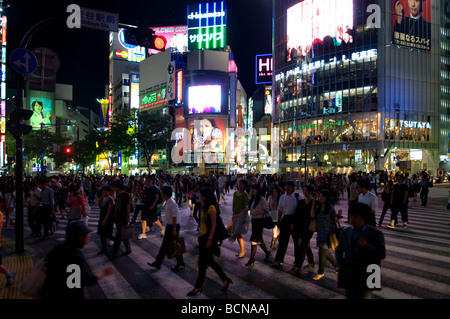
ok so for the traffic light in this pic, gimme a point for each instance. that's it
(146, 39)
(318, 138)
(67, 150)
(299, 162)
(15, 126)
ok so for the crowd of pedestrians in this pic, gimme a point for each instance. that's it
(139, 199)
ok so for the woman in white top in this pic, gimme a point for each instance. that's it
(273, 207)
(257, 206)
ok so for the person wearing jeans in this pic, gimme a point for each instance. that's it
(325, 215)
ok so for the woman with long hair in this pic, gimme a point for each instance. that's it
(273, 208)
(258, 207)
(325, 215)
(206, 245)
(240, 216)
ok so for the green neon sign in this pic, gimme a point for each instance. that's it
(312, 126)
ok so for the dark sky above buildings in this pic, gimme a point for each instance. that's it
(84, 53)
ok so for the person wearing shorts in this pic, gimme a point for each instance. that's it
(150, 211)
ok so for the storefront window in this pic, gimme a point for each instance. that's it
(407, 130)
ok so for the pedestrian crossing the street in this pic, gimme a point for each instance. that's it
(416, 265)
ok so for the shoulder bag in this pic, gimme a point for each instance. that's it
(268, 221)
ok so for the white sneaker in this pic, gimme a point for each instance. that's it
(142, 236)
(147, 229)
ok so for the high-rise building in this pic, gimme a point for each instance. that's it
(362, 85)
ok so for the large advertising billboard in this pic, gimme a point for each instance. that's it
(207, 25)
(42, 112)
(311, 21)
(205, 99)
(125, 51)
(411, 21)
(176, 36)
(207, 135)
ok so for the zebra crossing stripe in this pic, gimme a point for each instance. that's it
(114, 286)
(169, 280)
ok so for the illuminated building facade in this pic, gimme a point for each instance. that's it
(372, 92)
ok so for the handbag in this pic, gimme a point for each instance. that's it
(334, 241)
(268, 221)
(220, 232)
(177, 247)
(74, 214)
(313, 225)
(180, 246)
(32, 285)
(127, 232)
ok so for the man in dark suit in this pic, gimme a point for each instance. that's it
(360, 251)
(414, 26)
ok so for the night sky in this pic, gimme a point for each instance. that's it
(84, 53)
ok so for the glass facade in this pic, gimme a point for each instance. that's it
(341, 89)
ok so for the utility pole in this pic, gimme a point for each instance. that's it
(18, 225)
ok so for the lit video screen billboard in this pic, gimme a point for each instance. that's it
(411, 20)
(311, 21)
(207, 25)
(176, 36)
(205, 99)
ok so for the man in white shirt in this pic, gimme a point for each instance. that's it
(286, 209)
(368, 198)
(172, 230)
(222, 182)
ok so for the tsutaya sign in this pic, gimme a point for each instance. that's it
(411, 124)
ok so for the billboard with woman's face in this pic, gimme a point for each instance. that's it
(207, 134)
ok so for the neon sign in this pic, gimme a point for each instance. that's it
(368, 54)
(264, 68)
(154, 98)
(206, 26)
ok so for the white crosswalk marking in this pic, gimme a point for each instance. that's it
(416, 265)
